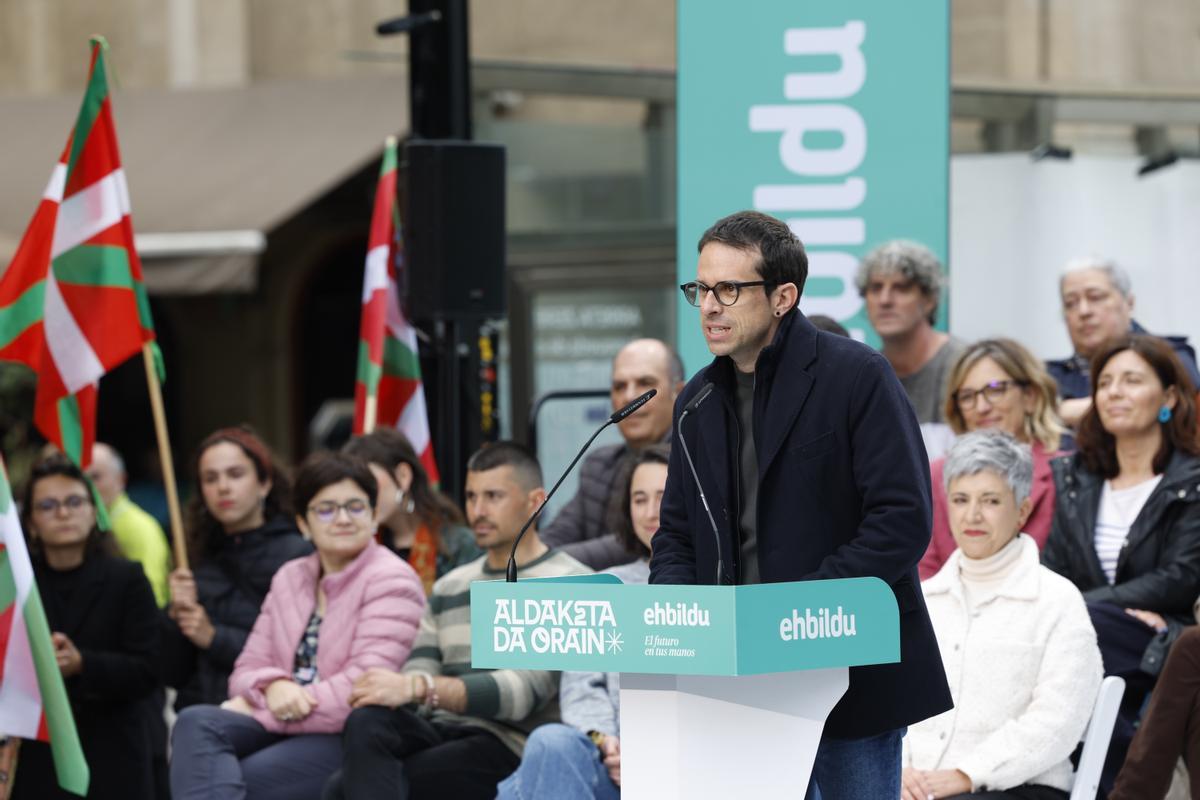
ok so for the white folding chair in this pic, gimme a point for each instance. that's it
(1097, 738)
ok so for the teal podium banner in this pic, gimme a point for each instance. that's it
(832, 116)
(596, 623)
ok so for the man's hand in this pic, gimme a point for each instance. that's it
(288, 701)
(382, 687)
(611, 747)
(183, 587)
(1155, 621)
(194, 623)
(1072, 411)
(930, 784)
(238, 705)
(70, 661)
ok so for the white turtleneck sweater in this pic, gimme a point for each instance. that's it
(1021, 659)
(982, 577)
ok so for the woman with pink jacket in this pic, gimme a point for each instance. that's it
(328, 618)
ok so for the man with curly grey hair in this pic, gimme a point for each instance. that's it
(901, 282)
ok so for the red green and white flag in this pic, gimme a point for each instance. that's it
(388, 391)
(72, 303)
(33, 699)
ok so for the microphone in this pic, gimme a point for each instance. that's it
(510, 574)
(694, 404)
(700, 397)
(390, 27)
(621, 414)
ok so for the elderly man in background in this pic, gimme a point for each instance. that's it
(1097, 305)
(580, 529)
(139, 536)
(901, 283)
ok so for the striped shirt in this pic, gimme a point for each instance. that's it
(1119, 508)
(509, 703)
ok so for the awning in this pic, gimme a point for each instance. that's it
(210, 171)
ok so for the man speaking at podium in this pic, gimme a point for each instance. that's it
(811, 461)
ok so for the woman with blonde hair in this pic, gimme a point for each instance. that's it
(997, 383)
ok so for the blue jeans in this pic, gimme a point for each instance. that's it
(858, 769)
(560, 763)
(229, 756)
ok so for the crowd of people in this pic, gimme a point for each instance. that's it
(319, 645)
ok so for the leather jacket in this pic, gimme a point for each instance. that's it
(1159, 566)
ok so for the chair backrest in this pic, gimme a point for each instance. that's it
(1097, 738)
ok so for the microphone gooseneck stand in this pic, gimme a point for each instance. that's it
(510, 574)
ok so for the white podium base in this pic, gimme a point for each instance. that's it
(698, 737)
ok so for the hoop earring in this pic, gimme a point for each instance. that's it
(410, 506)
(1164, 414)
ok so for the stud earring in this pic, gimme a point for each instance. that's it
(1164, 414)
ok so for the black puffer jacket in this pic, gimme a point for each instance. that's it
(1159, 566)
(231, 585)
(580, 528)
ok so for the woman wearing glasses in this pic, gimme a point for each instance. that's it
(416, 521)
(104, 624)
(328, 618)
(997, 383)
(239, 533)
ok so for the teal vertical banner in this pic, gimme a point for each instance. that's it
(832, 116)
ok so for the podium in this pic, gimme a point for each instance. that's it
(724, 689)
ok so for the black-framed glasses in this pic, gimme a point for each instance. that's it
(327, 511)
(51, 505)
(994, 392)
(726, 292)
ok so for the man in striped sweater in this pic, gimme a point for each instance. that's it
(441, 728)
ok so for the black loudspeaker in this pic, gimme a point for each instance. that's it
(454, 237)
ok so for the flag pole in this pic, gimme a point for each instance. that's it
(370, 411)
(164, 456)
(9, 752)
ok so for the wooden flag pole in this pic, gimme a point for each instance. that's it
(370, 411)
(9, 752)
(164, 456)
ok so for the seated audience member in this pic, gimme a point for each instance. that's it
(1126, 527)
(901, 283)
(349, 607)
(997, 383)
(138, 535)
(239, 533)
(1019, 650)
(581, 758)
(823, 322)
(139, 538)
(1170, 728)
(442, 728)
(579, 528)
(416, 521)
(104, 628)
(1097, 304)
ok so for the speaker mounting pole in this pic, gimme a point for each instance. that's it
(454, 233)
